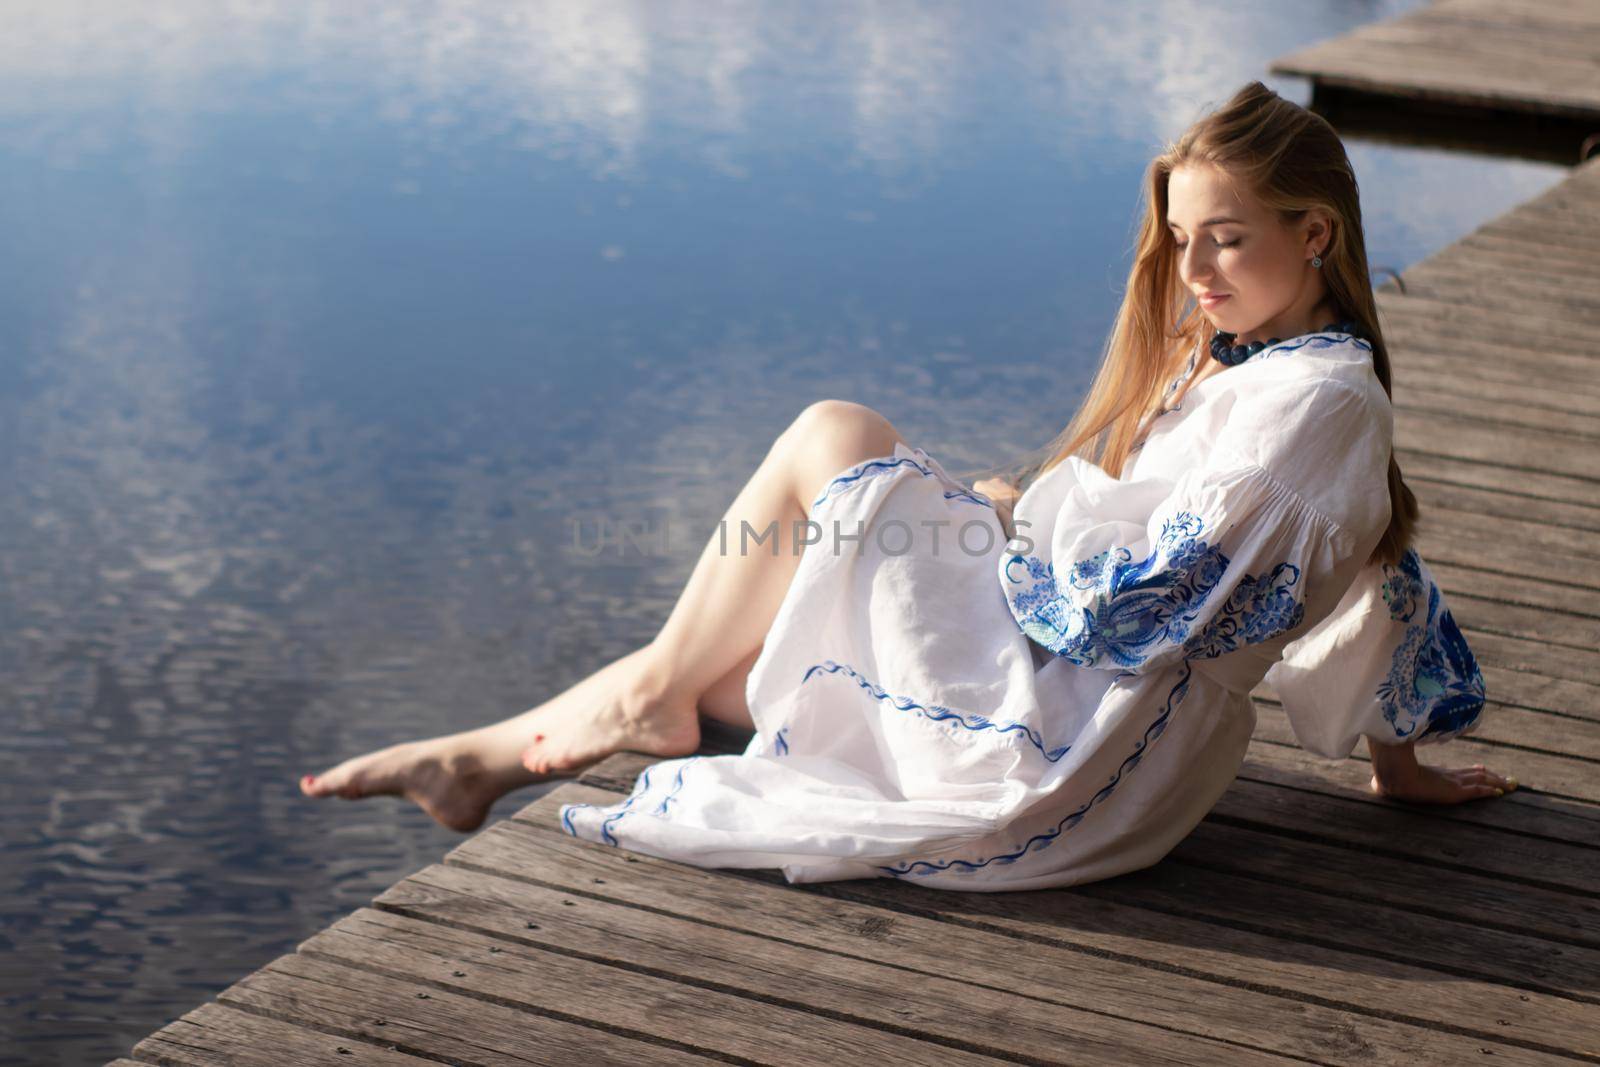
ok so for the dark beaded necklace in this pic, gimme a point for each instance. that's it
(1224, 351)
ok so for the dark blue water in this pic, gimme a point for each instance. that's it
(321, 323)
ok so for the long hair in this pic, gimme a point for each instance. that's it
(1292, 160)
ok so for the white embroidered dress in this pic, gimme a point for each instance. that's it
(969, 713)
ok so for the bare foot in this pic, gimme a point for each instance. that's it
(561, 741)
(447, 776)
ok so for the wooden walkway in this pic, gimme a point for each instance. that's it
(1537, 57)
(1303, 921)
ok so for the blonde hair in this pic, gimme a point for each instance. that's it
(1292, 160)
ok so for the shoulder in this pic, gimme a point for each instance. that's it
(1322, 385)
(1322, 425)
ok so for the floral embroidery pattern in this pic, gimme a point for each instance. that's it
(1042, 841)
(1259, 608)
(1135, 609)
(1432, 673)
(937, 712)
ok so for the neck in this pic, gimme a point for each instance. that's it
(1292, 323)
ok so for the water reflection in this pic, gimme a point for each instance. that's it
(323, 321)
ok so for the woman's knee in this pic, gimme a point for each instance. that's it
(845, 426)
(829, 436)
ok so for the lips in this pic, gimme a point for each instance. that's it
(1212, 300)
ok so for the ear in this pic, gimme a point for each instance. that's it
(1318, 225)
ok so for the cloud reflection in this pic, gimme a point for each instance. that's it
(897, 80)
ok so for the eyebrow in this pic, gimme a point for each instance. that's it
(1209, 222)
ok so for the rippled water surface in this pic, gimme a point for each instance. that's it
(325, 327)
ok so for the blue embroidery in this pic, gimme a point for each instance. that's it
(937, 712)
(1432, 672)
(1042, 841)
(1313, 340)
(641, 787)
(1137, 608)
(677, 784)
(781, 743)
(854, 474)
(1258, 609)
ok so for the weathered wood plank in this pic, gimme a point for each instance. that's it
(1516, 374)
(1364, 877)
(1523, 55)
(214, 1035)
(1556, 627)
(1573, 550)
(1555, 601)
(1558, 556)
(1405, 70)
(1468, 29)
(495, 886)
(442, 1026)
(1568, 493)
(1562, 775)
(1112, 928)
(1505, 291)
(1488, 413)
(1563, 53)
(1506, 446)
(1576, 699)
(1441, 492)
(631, 1001)
(1532, 657)
(1456, 317)
(1559, 850)
(1510, 276)
(1108, 983)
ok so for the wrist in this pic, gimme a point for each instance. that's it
(1390, 761)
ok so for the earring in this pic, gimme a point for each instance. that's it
(1316, 261)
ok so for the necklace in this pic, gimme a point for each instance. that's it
(1224, 351)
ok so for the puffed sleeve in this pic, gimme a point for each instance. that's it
(1135, 574)
(1389, 663)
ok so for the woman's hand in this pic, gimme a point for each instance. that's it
(1398, 776)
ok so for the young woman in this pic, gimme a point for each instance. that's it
(933, 702)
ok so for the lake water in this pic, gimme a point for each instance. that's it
(326, 328)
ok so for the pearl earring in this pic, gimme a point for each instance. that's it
(1316, 261)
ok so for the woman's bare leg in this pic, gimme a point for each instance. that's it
(650, 699)
(727, 606)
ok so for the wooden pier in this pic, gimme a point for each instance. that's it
(1534, 57)
(1304, 920)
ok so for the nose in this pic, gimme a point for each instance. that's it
(1193, 265)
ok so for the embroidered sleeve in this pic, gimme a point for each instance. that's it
(1217, 562)
(1389, 663)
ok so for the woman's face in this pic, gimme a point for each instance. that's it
(1229, 243)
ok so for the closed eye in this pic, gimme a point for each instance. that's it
(1219, 244)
